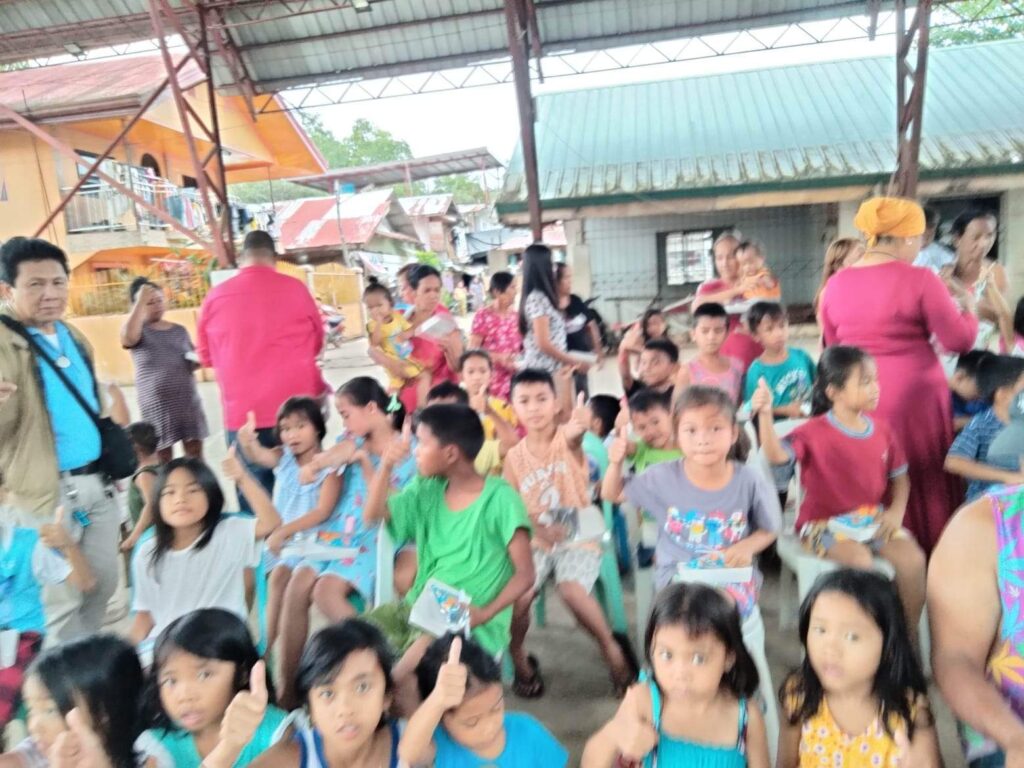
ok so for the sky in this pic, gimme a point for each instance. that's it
(486, 116)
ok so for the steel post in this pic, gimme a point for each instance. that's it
(910, 86)
(518, 47)
(157, 10)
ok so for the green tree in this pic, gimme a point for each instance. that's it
(975, 21)
(366, 144)
(463, 188)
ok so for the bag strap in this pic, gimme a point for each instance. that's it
(19, 329)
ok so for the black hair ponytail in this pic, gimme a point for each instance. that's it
(834, 370)
(363, 390)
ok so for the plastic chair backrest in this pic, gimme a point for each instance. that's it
(384, 579)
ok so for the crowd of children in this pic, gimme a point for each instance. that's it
(484, 501)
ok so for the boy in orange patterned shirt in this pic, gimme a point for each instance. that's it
(550, 472)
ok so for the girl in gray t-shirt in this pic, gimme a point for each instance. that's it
(710, 511)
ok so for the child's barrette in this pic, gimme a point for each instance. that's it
(395, 404)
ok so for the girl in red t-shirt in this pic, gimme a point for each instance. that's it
(853, 474)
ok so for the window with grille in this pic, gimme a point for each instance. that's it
(687, 256)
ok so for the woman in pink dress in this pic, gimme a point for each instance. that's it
(496, 329)
(891, 310)
(726, 289)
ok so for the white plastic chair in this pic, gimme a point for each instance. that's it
(384, 580)
(800, 569)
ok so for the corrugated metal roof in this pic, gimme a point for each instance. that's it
(429, 205)
(108, 84)
(806, 124)
(321, 42)
(323, 222)
(553, 236)
(400, 171)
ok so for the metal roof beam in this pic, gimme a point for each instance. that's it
(558, 65)
(910, 105)
(518, 43)
(404, 25)
(159, 13)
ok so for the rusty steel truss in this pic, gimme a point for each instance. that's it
(911, 74)
(196, 31)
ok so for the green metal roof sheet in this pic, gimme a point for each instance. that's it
(809, 125)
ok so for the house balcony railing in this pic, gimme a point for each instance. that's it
(98, 207)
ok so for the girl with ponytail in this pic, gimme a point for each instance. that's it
(853, 473)
(373, 420)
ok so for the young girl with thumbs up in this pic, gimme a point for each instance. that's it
(694, 704)
(208, 700)
(83, 700)
(304, 503)
(198, 555)
(853, 468)
(462, 720)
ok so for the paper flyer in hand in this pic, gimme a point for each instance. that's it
(583, 524)
(710, 569)
(859, 525)
(440, 609)
(325, 545)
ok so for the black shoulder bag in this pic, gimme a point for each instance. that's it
(117, 455)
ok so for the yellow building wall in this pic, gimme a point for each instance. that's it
(27, 172)
(113, 363)
(333, 284)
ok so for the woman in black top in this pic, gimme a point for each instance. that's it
(582, 333)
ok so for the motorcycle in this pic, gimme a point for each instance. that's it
(334, 326)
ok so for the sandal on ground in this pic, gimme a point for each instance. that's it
(531, 687)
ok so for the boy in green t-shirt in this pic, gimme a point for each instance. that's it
(471, 532)
(650, 414)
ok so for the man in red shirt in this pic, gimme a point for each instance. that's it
(261, 332)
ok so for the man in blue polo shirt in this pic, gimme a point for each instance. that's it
(49, 444)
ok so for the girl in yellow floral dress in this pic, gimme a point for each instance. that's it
(859, 699)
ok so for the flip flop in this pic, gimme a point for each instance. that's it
(531, 687)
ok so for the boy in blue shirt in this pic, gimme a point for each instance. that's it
(462, 722)
(788, 371)
(1000, 381)
(963, 386)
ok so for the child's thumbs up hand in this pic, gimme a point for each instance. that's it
(247, 433)
(619, 448)
(399, 448)
(232, 465)
(79, 746)
(762, 398)
(245, 712)
(452, 677)
(635, 735)
(579, 422)
(54, 535)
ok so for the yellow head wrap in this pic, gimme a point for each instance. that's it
(889, 216)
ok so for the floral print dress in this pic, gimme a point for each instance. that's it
(499, 333)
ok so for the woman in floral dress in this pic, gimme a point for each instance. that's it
(496, 329)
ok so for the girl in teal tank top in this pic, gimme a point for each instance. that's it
(691, 706)
(204, 664)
